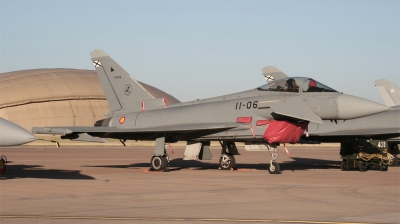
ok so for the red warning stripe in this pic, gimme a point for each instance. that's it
(262, 122)
(244, 120)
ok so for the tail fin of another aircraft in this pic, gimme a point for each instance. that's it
(271, 73)
(390, 93)
(121, 90)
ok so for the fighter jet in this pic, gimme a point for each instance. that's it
(11, 134)
(390, 93)
(277, 112)
(380, 126)
(383, 125)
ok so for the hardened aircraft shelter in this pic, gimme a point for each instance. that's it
(56, 97)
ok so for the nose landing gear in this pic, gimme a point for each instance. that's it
(274, 167)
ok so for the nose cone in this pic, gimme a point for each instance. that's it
(350, 107)
(12, 134)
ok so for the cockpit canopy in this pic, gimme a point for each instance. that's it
(296, 84)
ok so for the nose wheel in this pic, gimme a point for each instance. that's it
(274, 167)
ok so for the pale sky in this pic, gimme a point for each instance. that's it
(199, 49)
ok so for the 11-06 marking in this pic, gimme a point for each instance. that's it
(248, 105)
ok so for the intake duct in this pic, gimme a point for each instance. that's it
(103, 123)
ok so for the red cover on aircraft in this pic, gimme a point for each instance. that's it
(284, 131)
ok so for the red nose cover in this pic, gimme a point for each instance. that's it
(284, 131)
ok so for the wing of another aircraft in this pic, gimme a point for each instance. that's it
(390, 93)
(296, 108)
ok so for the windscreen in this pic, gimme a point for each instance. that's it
(296, 84)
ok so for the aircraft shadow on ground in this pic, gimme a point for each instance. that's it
(175, 164)
(309, 163)
(296, 164)
(37, 171)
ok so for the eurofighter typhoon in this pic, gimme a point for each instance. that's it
(383, 126)
(275, 113)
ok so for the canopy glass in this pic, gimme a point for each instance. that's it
(296, 84)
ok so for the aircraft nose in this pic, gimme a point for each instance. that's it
(23, 137)
(13, 134)
(16, 137)
(350, 107)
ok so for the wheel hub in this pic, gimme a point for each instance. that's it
(225, 162)
(272, 168)
(157, 163)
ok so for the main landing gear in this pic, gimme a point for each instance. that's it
(274, 167)
(227, 160)
(159, 163)
(160, 159)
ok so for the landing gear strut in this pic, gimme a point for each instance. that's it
(274, 167)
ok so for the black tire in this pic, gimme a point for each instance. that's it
(275, 168)
(158, 163)
(363, 167)
(395, 161)
(226, 162)
(383, 167)
(233, 161)
(166, 161)
(343, 166)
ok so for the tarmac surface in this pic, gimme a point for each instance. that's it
(113, 185)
